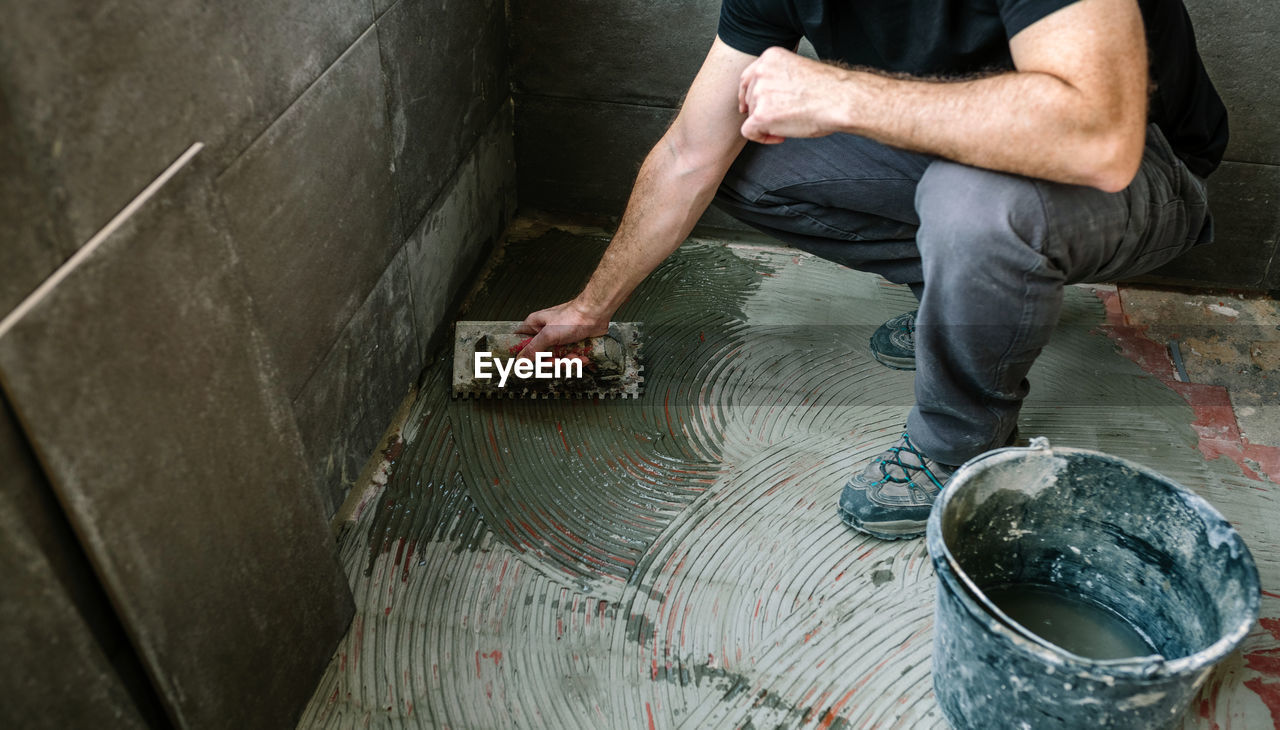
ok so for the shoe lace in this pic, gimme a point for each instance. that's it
(894, 458)
(907, 329)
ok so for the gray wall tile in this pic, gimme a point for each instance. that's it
(1245, 200)
(313, 211)
(34, 240)
(381, 6)
(108, 95)
(460, 229)
(582, 156)
(347, 404)
(716, 218)
(145, 388)
(57, 670)
(1241, 50)
(445, 65)
(344, 409)
(611, 50)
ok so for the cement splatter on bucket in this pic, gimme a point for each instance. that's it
(1077, 589)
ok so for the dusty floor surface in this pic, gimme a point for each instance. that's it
(677, 562)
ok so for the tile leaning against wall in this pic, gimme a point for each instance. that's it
(142, 382)
(66, 657)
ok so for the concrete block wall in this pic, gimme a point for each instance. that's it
(597, 82)
(198, 357)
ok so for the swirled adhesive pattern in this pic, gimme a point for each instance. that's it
(676, 561)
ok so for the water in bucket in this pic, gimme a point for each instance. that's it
(1081, 627)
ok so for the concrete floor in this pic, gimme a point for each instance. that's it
(676, 561)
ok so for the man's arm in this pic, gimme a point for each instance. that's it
(1073, 111)
(674, 187)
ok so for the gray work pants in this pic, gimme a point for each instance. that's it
(987, 253)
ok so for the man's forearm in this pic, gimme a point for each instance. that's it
(1029, 123)
(670, 193)
(1073, 111)
(675, 184)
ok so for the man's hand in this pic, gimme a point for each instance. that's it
(563, 324)
(787, 95)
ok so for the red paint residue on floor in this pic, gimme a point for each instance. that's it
(394, 449)
(495, 655)
(357, 631)
(1209, 708)
(829, 718)
(1270, 694)
(1215, 423)
(1266, 662)
(1218, 434)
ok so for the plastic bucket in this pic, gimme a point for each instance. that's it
(1133, 550)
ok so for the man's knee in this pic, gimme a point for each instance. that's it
(965, 211)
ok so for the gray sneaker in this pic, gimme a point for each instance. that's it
(894, 343)
(891, 498)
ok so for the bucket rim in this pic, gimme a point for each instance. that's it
(980, 607)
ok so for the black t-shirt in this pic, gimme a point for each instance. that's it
(957, 37)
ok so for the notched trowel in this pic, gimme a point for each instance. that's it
(611, 367)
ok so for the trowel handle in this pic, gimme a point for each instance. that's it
(603, 351)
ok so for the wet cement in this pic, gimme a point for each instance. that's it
(676, 561)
